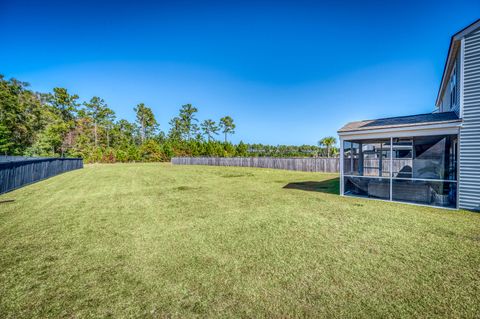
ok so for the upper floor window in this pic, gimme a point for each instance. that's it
(453, 88)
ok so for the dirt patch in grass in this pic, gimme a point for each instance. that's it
(186, 188)
(234, 175)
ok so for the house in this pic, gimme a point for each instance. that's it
(429, 159)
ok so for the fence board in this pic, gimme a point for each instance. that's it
(309, 164)
(17, 172)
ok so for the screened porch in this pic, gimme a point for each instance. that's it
(417, 169)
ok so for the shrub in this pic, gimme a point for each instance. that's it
(150, 151)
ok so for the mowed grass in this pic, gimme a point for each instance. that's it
(156, 241)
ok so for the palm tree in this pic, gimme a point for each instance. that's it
(328, 142)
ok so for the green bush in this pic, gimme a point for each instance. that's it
(150, 151)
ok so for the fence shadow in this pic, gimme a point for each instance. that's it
(329, 186)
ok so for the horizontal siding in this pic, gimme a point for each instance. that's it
(469, 187)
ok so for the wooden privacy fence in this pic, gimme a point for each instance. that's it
(18, 172)
(308, 164)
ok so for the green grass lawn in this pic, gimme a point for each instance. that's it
(155, 240)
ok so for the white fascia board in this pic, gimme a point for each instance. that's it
(472, 27)
(456, 37)
(446, 72)
(420, 130)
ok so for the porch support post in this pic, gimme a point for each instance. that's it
(361, 170)
(352, 157)
(391, 168)
(342, 159)
(380, 162)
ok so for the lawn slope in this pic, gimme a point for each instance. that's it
(155, 240)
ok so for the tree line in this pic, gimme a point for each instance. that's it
(58, 123)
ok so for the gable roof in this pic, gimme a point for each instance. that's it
(402, 121)
(452, 51)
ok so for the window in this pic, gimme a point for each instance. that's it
(453, 88)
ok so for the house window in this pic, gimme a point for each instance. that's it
(453, 88)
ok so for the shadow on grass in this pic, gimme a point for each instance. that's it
(329, 186)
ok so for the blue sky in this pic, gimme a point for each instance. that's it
(288, 72)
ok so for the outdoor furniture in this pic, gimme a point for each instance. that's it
(379, 189)
(413, 192)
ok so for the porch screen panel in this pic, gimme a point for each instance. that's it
(347, 158)
(432, 193)
(433, 171)
(367, 168)
(367, 158)
(402, 157)
(367, 187)
(431, 157)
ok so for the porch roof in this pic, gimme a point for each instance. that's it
(400, 122)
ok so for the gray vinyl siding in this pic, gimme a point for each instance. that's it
(469, 168)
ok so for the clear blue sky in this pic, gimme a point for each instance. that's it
(288, 72)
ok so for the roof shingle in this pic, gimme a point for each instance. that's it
(392, 122)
